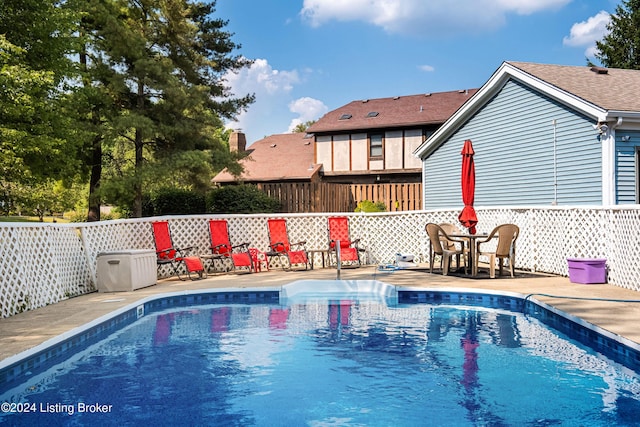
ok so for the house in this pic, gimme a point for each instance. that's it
(372, 140)
(542, 135)
(276, 158)
(360, 151)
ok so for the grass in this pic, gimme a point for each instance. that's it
(30, 219)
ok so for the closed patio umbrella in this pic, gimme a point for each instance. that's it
(468, 216)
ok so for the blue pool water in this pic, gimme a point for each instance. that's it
(327, 362)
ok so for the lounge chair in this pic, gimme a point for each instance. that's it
(437, 236)
(279, 245)
(505, 248)
(222, 250)
(349, 249)
(168, 254)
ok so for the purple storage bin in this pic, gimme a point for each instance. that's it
(587, 270)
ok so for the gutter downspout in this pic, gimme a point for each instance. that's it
(608, 165)
(555, 163)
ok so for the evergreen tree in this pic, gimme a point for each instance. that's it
(161, 64)
(620, 48)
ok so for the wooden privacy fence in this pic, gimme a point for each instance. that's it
(306, 197)
(397, 197)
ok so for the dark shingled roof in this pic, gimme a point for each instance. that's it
(401, 111)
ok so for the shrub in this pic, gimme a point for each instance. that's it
(177, 202)
(369, 206)
(236, 199)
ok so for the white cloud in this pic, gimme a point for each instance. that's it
(427, 68)
(307, 109)
(527, 7)
(269, 114)
(262, 78)
(419, 17)
(585, 33)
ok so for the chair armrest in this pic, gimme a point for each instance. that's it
(481, 241)
(302, 244)
(187, 249)
(241, 245)
(216, 247)
(163, 254)
(273, 247)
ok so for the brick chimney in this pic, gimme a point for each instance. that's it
(237, 142)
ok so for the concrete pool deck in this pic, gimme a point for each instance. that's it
(26, 330)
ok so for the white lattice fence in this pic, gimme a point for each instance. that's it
(44, 263)
(623, 252)
(40, 264)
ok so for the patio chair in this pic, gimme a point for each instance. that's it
(279, 245)
(349, 249)
(222, 250)
(168, 254)
(440, 245)
(505, 248)
(450, 230)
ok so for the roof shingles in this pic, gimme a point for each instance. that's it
(617, 89)
(400, 111)
(276, 158)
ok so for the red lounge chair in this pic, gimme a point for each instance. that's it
(168, 254)
(349, 249)
(279, 244)
(221, 248)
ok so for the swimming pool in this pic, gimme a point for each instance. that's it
(364, 354)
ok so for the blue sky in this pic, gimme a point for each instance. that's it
(312, 56)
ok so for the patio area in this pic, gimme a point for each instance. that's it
(609, 307)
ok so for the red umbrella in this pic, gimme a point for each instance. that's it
(468, 216)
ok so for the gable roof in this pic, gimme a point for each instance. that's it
(611, 94)
(276, 158)
(400, 111)
(613, 89)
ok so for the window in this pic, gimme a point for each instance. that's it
(375, 145)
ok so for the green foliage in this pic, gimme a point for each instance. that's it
(163, 65)
(33, 144)
(38, 144)
(236, 199)
(369, 206)
(131, 93)
(39, 198)
(620, 47)
(178, 202)
(302, 127)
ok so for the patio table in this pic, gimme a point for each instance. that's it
(323, 252)
(470, 239)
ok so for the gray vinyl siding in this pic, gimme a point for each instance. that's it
(513, 138)
(625, 174)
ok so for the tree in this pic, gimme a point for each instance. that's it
(302, 127)
(162, 64)
(36, 141)
(620, 47)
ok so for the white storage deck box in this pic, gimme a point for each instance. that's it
(126, 270)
